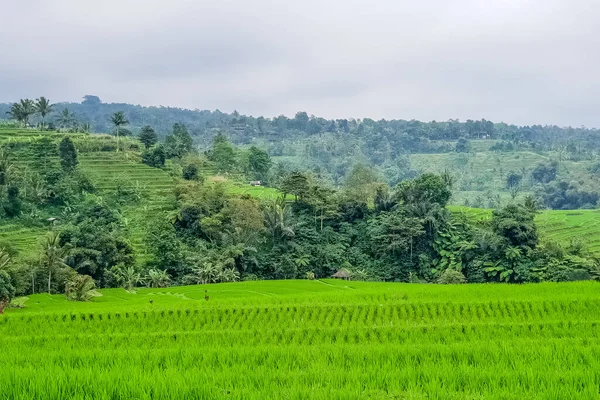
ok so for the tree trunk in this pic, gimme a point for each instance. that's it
(117, 138)
(49, 279)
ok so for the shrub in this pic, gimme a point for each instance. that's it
(190, 172)
(154, 157)
(451, 276)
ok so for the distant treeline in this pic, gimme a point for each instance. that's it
(404, 135)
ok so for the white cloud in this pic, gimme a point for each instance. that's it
(520, 61)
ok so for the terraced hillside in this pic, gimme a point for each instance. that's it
(556, 225)
(308, 340)
(110, 172)
(483, 171)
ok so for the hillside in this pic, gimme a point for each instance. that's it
(111, 173)
(307, 340)
(555, 225)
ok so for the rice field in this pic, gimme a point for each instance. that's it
(556, 225)
(308, 340)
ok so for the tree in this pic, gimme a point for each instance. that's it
(426, 189)
(22, 110)
(154, 157)
(66, 119)
(80, 288)
(91, 100)
(148, 136)
(513, 179)
(7, 290)
(361, 184)
(53, 256)
(68, 154)
(179, 143)
(190, 172)
(259, 163)
(277, 217)
(118, 120)
(545, 173)
(223, 154)
(516, 223)
(44, 107)
(296, 183)
(463, 145)
(13, 205)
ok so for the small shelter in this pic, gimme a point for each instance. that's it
(255, 183)
(342, 274)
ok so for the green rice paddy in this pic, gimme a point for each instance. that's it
(308, 340)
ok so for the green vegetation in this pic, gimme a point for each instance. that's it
(307, 339)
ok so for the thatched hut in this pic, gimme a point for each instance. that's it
(342, 274)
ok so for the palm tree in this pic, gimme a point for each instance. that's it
(43, 107)
(65, 119)
(53, 255)
(22, 110)
(28, 108)
(118, 119)
(276, 217)
(80, 288)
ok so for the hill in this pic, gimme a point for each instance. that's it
(112, 174)
(307, 339)
(480, 155)
(555, 225)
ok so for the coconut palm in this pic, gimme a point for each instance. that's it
(53, 255)
(118, 119)
(43, 107)
(65, 119)
(22, 110)
(276, 222)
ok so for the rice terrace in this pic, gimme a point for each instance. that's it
(327, 339)
(300, 200)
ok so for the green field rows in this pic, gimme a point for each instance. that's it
(308, 340)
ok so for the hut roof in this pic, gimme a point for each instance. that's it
(342, 273)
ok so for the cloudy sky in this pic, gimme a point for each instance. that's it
(518, 61)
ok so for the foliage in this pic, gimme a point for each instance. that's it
(80, 288)
(451, 276)
(68, 154)
(179, 142)
(154, 157)
(148, 136)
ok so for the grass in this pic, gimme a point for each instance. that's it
(308, 340)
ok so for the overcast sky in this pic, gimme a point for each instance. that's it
(518, 61)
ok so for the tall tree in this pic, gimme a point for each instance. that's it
(65, 119)
(68, 155)
(53, 256)
(148, 136)
(118, 120)
(22, 110)
(43, 107)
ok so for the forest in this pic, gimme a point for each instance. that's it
(208, 230)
